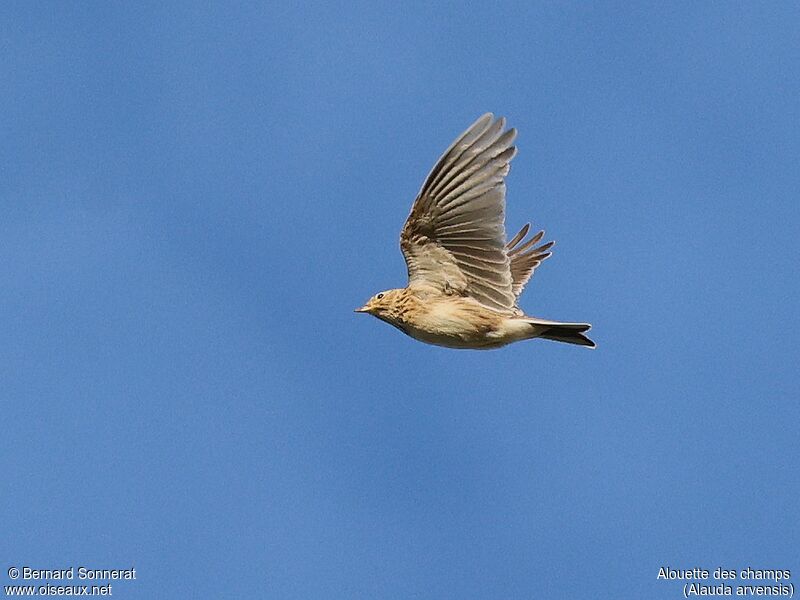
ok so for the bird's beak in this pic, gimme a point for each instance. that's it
(362, 309)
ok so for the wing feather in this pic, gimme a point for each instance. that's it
(524, 261)
(454, 237)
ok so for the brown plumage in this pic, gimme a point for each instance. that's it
(463, 278)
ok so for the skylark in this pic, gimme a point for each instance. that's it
(463, 278)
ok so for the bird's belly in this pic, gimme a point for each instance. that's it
(456, 327)
(454, 341)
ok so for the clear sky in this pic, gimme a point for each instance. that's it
(194, 200)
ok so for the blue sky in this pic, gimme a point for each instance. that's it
(195, 198)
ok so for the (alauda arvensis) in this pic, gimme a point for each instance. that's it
(464, 280)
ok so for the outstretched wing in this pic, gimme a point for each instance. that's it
(454, 239)
(525, 258)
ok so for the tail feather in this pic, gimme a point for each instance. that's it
(570, 333)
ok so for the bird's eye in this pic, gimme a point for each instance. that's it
(379, 296)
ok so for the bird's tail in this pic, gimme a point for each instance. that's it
(570, 333)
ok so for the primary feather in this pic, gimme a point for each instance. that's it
(454, 239)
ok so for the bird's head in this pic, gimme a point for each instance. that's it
(381, 304)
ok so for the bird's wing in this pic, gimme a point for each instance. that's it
(525, 257)
(454, 239)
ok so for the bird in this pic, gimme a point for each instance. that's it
(464, 278)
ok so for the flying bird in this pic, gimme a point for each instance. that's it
(464, 279)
